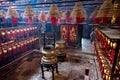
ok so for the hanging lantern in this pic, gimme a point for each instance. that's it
(54, 13)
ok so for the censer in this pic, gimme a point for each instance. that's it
(61, 50)
(49, 60)
(49, 54)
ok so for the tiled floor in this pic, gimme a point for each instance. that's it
(72, 69)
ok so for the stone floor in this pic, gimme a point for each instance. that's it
(78, 59)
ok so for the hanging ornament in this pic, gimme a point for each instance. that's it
(54, 13)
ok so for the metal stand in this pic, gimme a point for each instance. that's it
(49, 66)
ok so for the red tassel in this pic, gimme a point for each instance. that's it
(53, 19)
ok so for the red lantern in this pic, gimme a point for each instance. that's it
(53, 19)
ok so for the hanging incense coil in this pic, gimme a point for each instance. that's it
(28, 12)
(104, 9)
(78, 11)
(54, 11)
(49, 54)
(117, 8)
(94, 13)
(42, 16)
(12, 13)
(2, 13)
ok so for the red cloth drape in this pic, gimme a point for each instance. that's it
(53, 20)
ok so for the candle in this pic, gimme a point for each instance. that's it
(108, 41)
(107, 77)
(21, 30)
(14, 47)
(10, 49)
(5, 51)
(2, 33)
(114, 45)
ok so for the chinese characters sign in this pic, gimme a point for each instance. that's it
(69, 33)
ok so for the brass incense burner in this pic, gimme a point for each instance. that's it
(61, 47)
(49, 54)
(61, 50)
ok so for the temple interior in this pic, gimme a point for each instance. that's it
(59, 40)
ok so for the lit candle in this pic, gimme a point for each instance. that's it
(0, 52)
(8, 32)
(111, 44)
(13, 31)
(2, 33)
(14, 47)
(5, 51)
(28, 29)
(21, 30)
(114, 45)
(18, 30)
(10, 49)
(108, 41)
(18, 45)
(28, 42)
(106, 71)
(25, 29)
(107, 77)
